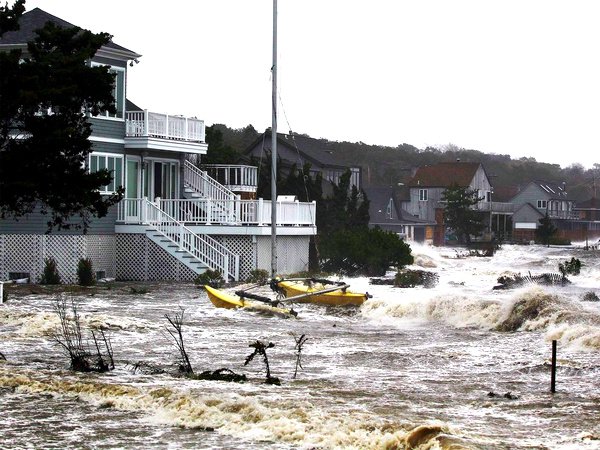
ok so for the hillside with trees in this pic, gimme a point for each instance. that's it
(392, 165)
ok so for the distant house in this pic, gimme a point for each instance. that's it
(299, 150)
(539, 198)
(385, 213)
(427, 185)
(175, 221)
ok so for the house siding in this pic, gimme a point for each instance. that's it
(531, 194)
(108, 128)
(36, 223)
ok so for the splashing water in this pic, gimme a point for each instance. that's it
(457, 366)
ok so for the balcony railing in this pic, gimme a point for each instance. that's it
(221, 212)
(237, 178)
(164, 126)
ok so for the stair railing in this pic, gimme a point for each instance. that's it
(204, 248)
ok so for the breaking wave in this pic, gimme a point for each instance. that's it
(530, 309)
(292, 422)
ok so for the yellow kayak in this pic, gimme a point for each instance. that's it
(222, 299)
(334, 297)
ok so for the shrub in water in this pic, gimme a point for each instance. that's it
(211, 277)
(85, 273)
(50, 275)
(260, 276)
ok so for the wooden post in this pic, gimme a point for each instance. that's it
(1, 292)
(553, 369)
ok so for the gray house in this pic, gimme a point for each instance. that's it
(537, 199)
(385, 213)
(427, 185)
(175, 221)
(299, 150)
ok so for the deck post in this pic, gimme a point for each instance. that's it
(146, 124)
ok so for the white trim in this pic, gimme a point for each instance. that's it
(106, 139)
(227, 230)
(149, 143)
(525, 226)
(114, 119)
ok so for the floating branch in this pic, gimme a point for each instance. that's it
(261, 349)
(300, 341)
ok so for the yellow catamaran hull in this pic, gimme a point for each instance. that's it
(222, 299)
(340, 297)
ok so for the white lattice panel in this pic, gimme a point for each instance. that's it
(23, 253)
(3, 274)
(66, 251)
(140, 259)
(101, 249)
(292, 254)
(243, 246)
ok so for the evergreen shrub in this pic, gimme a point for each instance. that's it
(85, 273)
(50, 275)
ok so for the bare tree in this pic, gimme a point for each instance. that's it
(70, 337)
(176, 322)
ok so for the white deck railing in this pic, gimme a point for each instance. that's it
(221, 212)
(235, 177)
(206, 186)
(149, 124)
(202, 247)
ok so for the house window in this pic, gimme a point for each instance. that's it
(118, 92)
(114, 164)
(488, 196)
(542, 204)
(423, 195)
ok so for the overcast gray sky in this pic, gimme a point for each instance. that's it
(517, 77)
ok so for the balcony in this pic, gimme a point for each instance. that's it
(236, 178)
(157, 131)
(222, 212)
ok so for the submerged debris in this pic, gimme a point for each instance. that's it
(222, 374)
(409, 278)
(508, 395)
(546, 279)
(590, 297)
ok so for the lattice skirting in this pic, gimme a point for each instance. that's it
(135, 257)
(26, 253)
(292, 254)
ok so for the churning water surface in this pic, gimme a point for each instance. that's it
(457, 366)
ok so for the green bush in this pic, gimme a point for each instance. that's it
(259, 276)
(572, 267)
(85, 273)
(364, 251)
(50, 275)
(211, 277)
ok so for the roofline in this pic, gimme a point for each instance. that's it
(103, 52)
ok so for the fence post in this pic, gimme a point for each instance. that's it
(1, 291)
(553, 369)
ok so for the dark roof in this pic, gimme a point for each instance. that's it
(444, 174)
(130, 106)
(592, 203)
(379, 202)
(553, 189)
(36, 19)
(315, 151)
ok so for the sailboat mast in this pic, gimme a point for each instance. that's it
(274, 148)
